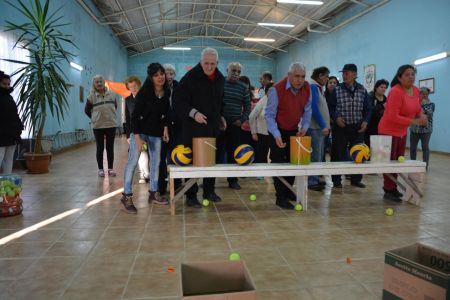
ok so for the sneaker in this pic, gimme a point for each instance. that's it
(128, 206)
(358, 184)
(391, 197)
(234, 185)
(285, 204)
(142, 180)
(112, 173)
(193, 202)
(101, 173)
(212, 197)
(156, 198)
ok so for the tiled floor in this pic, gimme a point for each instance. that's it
(99, 252)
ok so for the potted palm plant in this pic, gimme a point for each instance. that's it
(42, 84)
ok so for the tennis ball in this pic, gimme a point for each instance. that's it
(144, 147)
(235, 256)
(252, 197)
(401, 159)
(389, 211)
(205, 202)
(298, 207)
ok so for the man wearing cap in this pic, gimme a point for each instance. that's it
(351, 110)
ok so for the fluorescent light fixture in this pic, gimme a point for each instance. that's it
(301, 2)
(76, 66)
(177, 48)
(258, 40)
(431, 58)
(276, 25)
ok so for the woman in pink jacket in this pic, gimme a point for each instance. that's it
(402, 110)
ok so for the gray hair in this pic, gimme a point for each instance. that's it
(169, 67)
(234, 63)
(210, 51)
(296, 66)
(92, 89)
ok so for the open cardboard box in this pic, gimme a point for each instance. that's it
(223, 280)
(419, 271)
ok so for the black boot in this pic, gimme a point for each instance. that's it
(128, 206)
(193, 202)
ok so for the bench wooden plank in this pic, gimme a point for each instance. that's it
(300, 172)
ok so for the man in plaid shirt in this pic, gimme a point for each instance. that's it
(351, 110)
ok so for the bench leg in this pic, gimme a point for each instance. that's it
(413, 187)
(172, 196)
(301, 186)
(300, 191)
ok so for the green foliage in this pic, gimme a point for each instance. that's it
(42, 84)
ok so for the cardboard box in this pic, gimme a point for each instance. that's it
(224, 280)
(419, 271)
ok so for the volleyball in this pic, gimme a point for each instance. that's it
(181, 156)
(360, 153)
(244, 154)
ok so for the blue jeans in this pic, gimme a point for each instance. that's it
(154, 153)
(318, 149)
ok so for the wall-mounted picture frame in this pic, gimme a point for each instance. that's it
(428, 83)
(369, 77)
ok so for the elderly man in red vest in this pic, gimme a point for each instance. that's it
(288, 113)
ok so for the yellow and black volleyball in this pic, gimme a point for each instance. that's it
(360, 153)
(244, 154)
(181, 156)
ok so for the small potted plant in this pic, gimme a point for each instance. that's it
(43, 86)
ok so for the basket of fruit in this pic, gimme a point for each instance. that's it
(10, 201)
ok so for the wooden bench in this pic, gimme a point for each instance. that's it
(409, 179)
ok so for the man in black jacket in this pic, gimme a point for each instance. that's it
(10, 125)
(198, 102)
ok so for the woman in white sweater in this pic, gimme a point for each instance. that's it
(258, 128)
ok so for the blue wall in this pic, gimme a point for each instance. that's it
(98, 52)
(252, 65)
(394, 34)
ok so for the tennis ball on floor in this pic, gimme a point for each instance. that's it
(401, 159)
(252, 197)
(298, 207)
(389, 211)
(235, 256)
(205, 202)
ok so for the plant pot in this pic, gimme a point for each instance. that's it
(37, 163)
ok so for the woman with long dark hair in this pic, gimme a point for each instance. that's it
(378, 100)
(149, 123)
(402, 110)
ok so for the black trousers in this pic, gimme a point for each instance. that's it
(343, 140)
(262, 148)
(228, 141)
(281, 155)
(166, 151)
(100, 135)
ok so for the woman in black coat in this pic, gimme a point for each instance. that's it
(10, 125)
(378, 100)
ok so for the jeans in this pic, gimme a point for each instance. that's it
(262, 148)
(154, 152)
(7, 159)
(100, 134)
(424, 142)
(318, 149)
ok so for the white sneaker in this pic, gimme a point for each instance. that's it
(142, 180)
